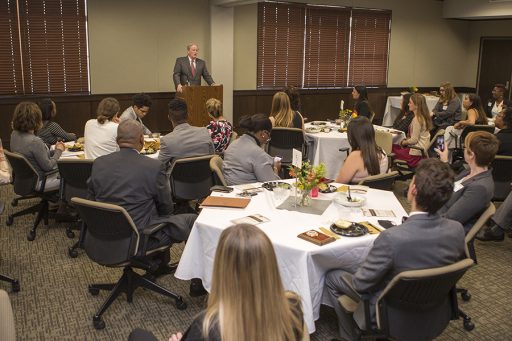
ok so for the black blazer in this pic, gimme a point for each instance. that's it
(363, 109)
(183, 72)
(505, 138)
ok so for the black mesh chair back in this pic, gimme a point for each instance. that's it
(111, 237)
(283, 141)
(75, 173)
(191, 178)
(502, 175)
(476, 127)
(24, 176)
(421, 291)
(381, 181)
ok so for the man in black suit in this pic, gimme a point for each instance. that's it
(189, 70)
(140, 185)
(425, 240)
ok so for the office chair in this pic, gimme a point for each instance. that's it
(216, 163)
(25, 180)
(502, 176)
(470, 251)
(191, 178)
(383, 181)
(282, 143)
(112, 239)
(429, 293)
(74, 174)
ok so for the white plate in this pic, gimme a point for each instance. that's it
(341, 198)
(313, 130)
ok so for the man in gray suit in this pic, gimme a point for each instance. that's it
(138, 110)
(189, 70)
(425, 240)
(140, 185)
(185, 140)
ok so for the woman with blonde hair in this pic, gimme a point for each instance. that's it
(418, 134)
(282, 114)
(447, 111)
(101, 133)
(219, 128)
(247, 299)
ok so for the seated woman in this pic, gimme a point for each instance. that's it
(418, 134)
(474, 188)
(218, 128)
(282, 114)
(476, 115)
(503, 122)
(403, 121)
(27, 119)
(100, 134)
(366, 158)
(244, 304)
(51, 132)
(245, 161)
(362, 106)
(447, 111)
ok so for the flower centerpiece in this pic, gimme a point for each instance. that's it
(307, 178)
(345, 116)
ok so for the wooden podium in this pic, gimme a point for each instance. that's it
(196, 97)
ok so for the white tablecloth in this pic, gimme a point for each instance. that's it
(392, 109)
(303, 265)
(324, 147)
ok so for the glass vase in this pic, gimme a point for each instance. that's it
(303, 197)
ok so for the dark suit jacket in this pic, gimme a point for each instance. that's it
(363, 109)
(183, 72)
(141, 186)
(505, 138)
(468, 203)
(423, 241)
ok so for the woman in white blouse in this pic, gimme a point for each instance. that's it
(101, 133)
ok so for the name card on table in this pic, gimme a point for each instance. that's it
(297, 158)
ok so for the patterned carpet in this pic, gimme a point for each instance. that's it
(54, 303)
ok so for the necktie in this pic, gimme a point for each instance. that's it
(193, 68)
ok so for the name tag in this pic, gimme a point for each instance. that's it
(457, 186)
(445, 107)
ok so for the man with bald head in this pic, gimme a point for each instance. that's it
(140, 185)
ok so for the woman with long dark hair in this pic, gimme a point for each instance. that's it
(362, 106)
(476, 115)
(366, 158)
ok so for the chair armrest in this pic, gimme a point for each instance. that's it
(344, 149)
(53, 171)
(152, 229)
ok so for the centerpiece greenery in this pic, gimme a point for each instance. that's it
(307, 178)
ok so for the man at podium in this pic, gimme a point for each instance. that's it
(189, 70)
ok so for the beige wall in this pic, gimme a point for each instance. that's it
(425, 49)
(133, 44)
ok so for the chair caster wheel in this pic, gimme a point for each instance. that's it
(14, 202)
(94, 291)
(72, 253)
(70, 234)
(98, 323)
(9, 221)
(466, 296)
(180, 304)
(468, 325)
(31, 235)
(15, 286)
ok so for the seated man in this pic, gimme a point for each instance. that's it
(185, 140)
(502, 221)
(138, 110)
(425, 240)
(141, 186)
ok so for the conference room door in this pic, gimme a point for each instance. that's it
(495, 66)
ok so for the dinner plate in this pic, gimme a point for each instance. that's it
(329, 189)
(355, 230)
(319, 123)
(341, 198)
(270, 185)
(313, 130)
